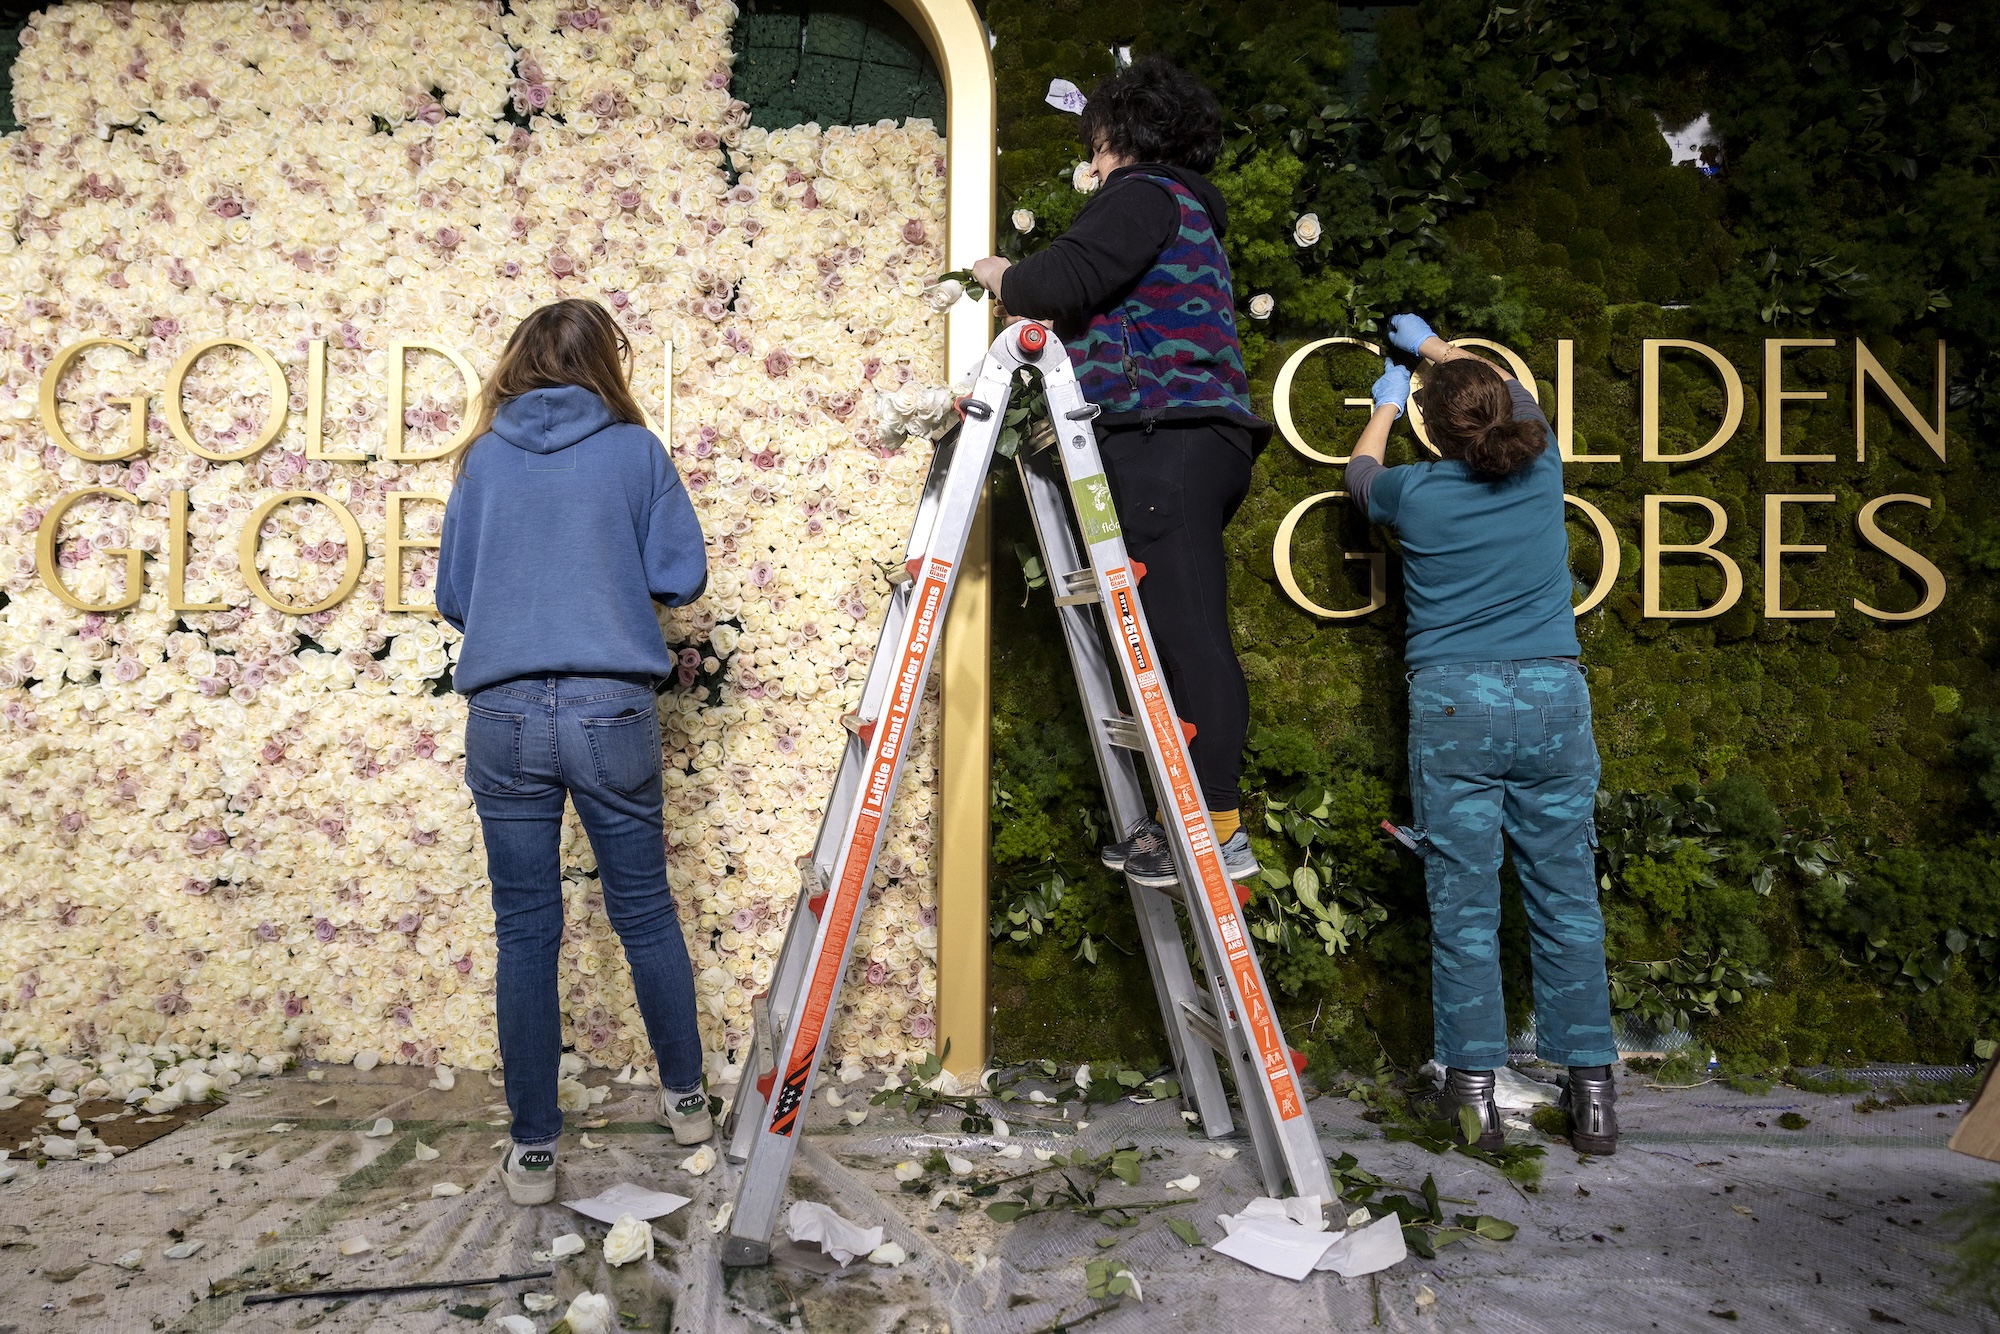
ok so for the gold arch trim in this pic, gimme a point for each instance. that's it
(958, 42)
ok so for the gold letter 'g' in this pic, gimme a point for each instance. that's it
(1281, 556)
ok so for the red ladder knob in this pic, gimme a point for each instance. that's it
(1034, 338)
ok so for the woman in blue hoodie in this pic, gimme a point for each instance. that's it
(566, 524)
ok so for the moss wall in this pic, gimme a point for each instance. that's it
(1798, 858)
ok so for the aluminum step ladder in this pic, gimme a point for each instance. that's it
(1230, 1014)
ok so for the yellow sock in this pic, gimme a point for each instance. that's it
(1226, 823)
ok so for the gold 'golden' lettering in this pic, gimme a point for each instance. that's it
(1775, 551)
(392, 448)
(1281, 395)
(52, 419)
(51, 572)
(253, 536)
(1932, 576)
(274, 423)
(1776, 396)
(1281, 557)
(1565, 422)
(1867, 368)
(1652, 548)
(1649, 400)
(316, 408)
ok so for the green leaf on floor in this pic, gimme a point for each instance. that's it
(467, 1311)
(1185, 1231)
(1468, 1125)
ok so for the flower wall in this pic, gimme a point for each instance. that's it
(249, 827)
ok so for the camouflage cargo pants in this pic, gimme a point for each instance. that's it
(1505, 748)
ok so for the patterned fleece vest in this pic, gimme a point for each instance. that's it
(1171, 343)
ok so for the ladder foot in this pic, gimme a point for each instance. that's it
(745, 1253)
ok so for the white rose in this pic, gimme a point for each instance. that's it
(1305, 231)
(1024, 221)
(1083, 178)
(1260, 306)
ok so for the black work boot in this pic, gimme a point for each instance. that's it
(1474, 1089)
(1591, 1099)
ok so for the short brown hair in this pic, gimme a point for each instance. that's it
(1470, 414)
(563, 343)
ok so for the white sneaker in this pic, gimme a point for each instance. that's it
(529, 1174)
(1237, 859)
(687, 1116)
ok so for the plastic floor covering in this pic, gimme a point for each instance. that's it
(1711, 1213)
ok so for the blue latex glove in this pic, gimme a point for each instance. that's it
(1393, 388)
(1408, 332)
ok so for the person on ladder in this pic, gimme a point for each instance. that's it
(1138, 289)
(1500, 735)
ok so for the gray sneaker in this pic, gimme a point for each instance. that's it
(1237, 859)
(1143, 856)
(529, 1174)
(686, 1114)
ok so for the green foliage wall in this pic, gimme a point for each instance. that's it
(1797, 820)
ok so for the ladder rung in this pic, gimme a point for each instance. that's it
(1124, 732)
(1041, 436)
(1079, 588)
(1201, 1022)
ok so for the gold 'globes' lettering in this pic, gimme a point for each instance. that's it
(45, 552)
(179, 538)
(253, 536)
(1868, 371)
(1932, 576)
(1281, 553)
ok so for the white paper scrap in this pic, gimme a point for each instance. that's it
(1276, 1246)
(1367, 1250)
(1065, 96)
(614, 1202)
(810, 1221)
(1302, 1210)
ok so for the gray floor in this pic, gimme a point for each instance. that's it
(1709, 1208)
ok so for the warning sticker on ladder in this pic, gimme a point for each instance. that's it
(905, 694)
(1215, 886)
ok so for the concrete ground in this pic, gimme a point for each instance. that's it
(1711, 1213)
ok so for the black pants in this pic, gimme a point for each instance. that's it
(1175, 489)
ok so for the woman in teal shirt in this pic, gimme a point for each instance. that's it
(1500, 739)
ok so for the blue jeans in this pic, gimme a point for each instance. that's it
(529, 742)
(1506, 748)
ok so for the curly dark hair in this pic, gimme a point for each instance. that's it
(1155, 111)
(1470, 414)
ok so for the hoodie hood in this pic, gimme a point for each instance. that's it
(1199, 185)
(545, 421)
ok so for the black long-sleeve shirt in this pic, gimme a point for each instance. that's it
(1107, 250)
(1112, 244)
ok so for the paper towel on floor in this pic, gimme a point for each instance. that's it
(812, 1222)
(612, 1203)
(1512, 1091)
(1289, 1238)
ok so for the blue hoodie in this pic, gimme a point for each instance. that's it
(565, 528)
